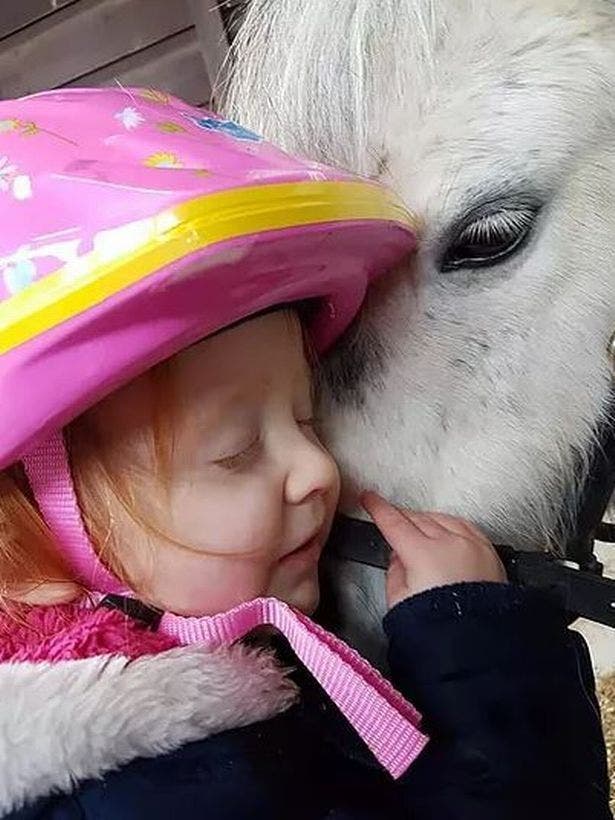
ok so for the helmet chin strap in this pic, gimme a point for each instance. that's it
(50, 477)
(384, 720)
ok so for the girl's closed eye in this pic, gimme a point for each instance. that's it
(242, 457)
(248, 454)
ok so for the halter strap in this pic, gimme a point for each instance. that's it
(385, 721)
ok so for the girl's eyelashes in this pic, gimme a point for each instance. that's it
(241, 458)
(248, 454)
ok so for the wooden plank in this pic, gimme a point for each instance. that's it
(174, 65)
(84, 37)
(16, 14)
(212, 37)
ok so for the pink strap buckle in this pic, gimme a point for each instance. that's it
(386, 722)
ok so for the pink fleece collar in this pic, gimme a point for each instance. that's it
(69, 632)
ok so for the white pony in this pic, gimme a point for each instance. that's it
(478, 374)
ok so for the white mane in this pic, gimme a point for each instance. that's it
(326, 49)
(472, 390)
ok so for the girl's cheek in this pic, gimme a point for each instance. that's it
(242, 516)
(202, 584)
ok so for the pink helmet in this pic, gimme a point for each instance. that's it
(134, 225)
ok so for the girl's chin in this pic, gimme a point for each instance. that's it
(305, 598)
(299, 588)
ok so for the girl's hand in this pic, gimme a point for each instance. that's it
(431, 550)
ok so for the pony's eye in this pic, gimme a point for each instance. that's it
(489, 238)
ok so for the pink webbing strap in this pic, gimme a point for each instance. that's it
(51, 481)
(385, 721)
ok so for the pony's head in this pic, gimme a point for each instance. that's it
(478, 373)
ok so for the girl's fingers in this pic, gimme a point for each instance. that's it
(430, 550)
(427, 524)
(396, 524)
(396, 527)
(458, 526)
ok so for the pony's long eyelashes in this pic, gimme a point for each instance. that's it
(487, 238)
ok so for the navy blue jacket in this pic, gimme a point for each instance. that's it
(507, 693)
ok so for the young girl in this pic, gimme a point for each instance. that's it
(164, 492)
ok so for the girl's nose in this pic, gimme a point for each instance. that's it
(312, 471)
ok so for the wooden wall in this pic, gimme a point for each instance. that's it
(175, 45)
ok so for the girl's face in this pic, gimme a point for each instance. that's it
(251, 492)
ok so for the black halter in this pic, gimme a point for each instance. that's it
(578, 579)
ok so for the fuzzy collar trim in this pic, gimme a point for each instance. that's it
(65, 720)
